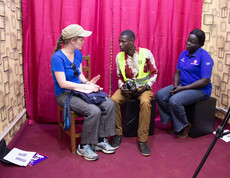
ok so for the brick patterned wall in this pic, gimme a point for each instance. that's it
(216, 25)
(12, 102)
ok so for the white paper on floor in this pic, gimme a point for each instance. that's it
(226, 138)
(19, 157)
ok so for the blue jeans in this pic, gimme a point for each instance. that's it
(172, 107)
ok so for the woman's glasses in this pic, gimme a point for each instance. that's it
(73, 66)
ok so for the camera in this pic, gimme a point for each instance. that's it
(131, 85)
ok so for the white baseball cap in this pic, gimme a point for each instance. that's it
(75, 30)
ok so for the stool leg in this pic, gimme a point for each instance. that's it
(72, 135)
(59, 123)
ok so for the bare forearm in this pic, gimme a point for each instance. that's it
(176, 78)
(197, 84)
(82, 78)
(71, 86)
(63, 83)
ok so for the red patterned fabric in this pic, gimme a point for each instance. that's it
(160, 25)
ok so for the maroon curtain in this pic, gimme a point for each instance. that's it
(160, 25)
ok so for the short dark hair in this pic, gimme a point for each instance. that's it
(129, 33)
(200, 35)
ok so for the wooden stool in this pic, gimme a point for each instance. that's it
(72, 131)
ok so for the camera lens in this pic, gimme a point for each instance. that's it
(131, 86)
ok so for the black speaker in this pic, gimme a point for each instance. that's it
(201, 115)
(130, 117)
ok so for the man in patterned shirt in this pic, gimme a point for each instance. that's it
(135, 67)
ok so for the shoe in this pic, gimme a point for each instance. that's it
(87, 153)
(144, 148)
(184, 132)
(116, 141)
(105, 147)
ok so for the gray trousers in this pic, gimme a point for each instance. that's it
(96, 123)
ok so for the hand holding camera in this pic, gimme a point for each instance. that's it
(126, 92)
(130, 90)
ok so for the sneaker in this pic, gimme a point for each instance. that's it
(116, 141)
(144, 148)
(87, 153)
(105, 147)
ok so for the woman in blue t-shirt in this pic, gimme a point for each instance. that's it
(191, 84)
(66, 65)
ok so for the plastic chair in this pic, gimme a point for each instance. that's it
(72, 131)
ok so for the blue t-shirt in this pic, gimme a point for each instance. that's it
(195, 67)
(60, 63)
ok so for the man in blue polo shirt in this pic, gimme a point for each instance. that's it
(191, 84)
